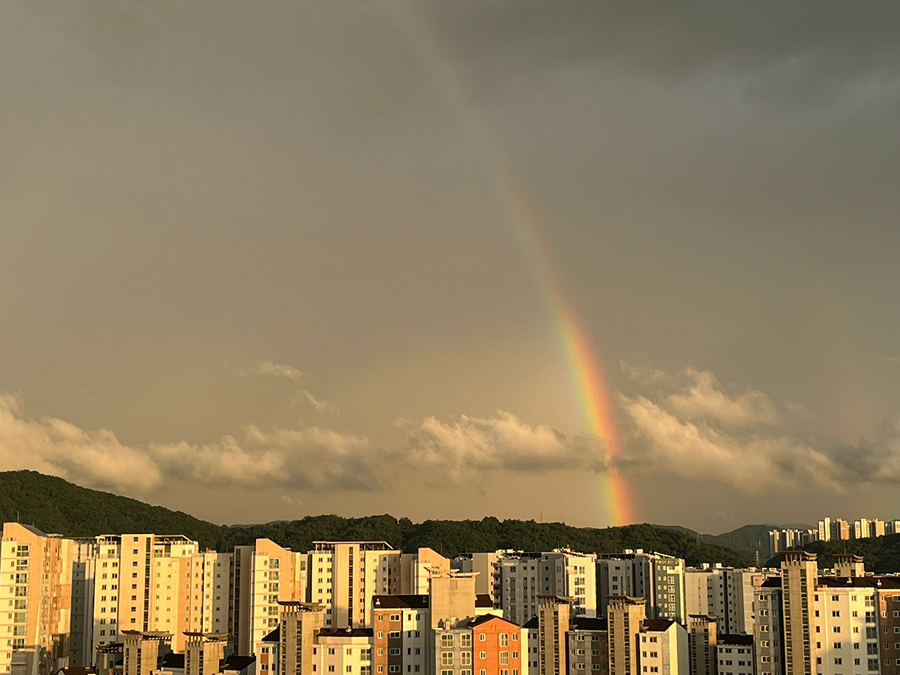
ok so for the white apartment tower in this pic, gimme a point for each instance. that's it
(656, 577)
(523, 578)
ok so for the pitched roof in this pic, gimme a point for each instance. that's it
(345, 632)
(483, 600)
(274, 636)
(487, 618)
(734, 639)
(585, 623)
(400, 601)
(238, 663)
(532, 623)
(173, 661)
(657, 625)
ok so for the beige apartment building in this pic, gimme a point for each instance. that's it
(264, 575)
(345, 576)
(625, 617)
(35, 592)
(145, 583)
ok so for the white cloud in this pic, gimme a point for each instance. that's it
(310, 458)
(706, 398)
(322, 407)
(272, 369)
(663, 441)
(469, 445)
(693, 426)
(53, 446)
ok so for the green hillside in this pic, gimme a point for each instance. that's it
(54, 505)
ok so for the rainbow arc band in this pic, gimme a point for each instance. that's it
(585, 371)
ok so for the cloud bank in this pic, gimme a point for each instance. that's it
(695, 427)
(469, 445)
(308, 458)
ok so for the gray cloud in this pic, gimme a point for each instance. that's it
(797, 49)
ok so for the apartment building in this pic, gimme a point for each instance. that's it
(735, 655)
(346, 651)
(36, 590)
(833, 530)
(725, 593)
(703, 636)
(769, 627)
(417, 570)
(204, 652)
(655, 577)
(486, 566)
(300, 622)
(889, 626)
(524, 577)
(845, 637)
(554, 619)
(663, 648)
(587, 643)
(344, 577)
(264, 575)
(403, 637)
(784, 540)
(141, 651)
(145, 583)
(625, 617)
(864, 528)
(531, 646)
(497, 646)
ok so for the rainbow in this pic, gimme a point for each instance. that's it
(583, 365)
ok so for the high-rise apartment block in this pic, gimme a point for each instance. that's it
(345, 576)
(735, 655)
(35, 594)
(523, 578)
(724, 593)
(655, 577)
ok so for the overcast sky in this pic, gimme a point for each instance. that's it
(255, 263)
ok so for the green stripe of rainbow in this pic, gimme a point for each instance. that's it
(584, 367)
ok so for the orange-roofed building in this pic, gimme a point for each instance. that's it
(496, 646)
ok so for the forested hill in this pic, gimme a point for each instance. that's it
(54, 505)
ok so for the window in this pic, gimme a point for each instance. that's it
(447, 641)
(446, 658)
(465, 640)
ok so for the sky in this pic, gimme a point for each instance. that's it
(266, 260)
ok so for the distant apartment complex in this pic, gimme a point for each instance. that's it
(830, 530)
(146, 604)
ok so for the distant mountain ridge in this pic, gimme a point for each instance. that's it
(56, 506)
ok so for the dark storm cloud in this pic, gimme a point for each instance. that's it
(803, 49)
